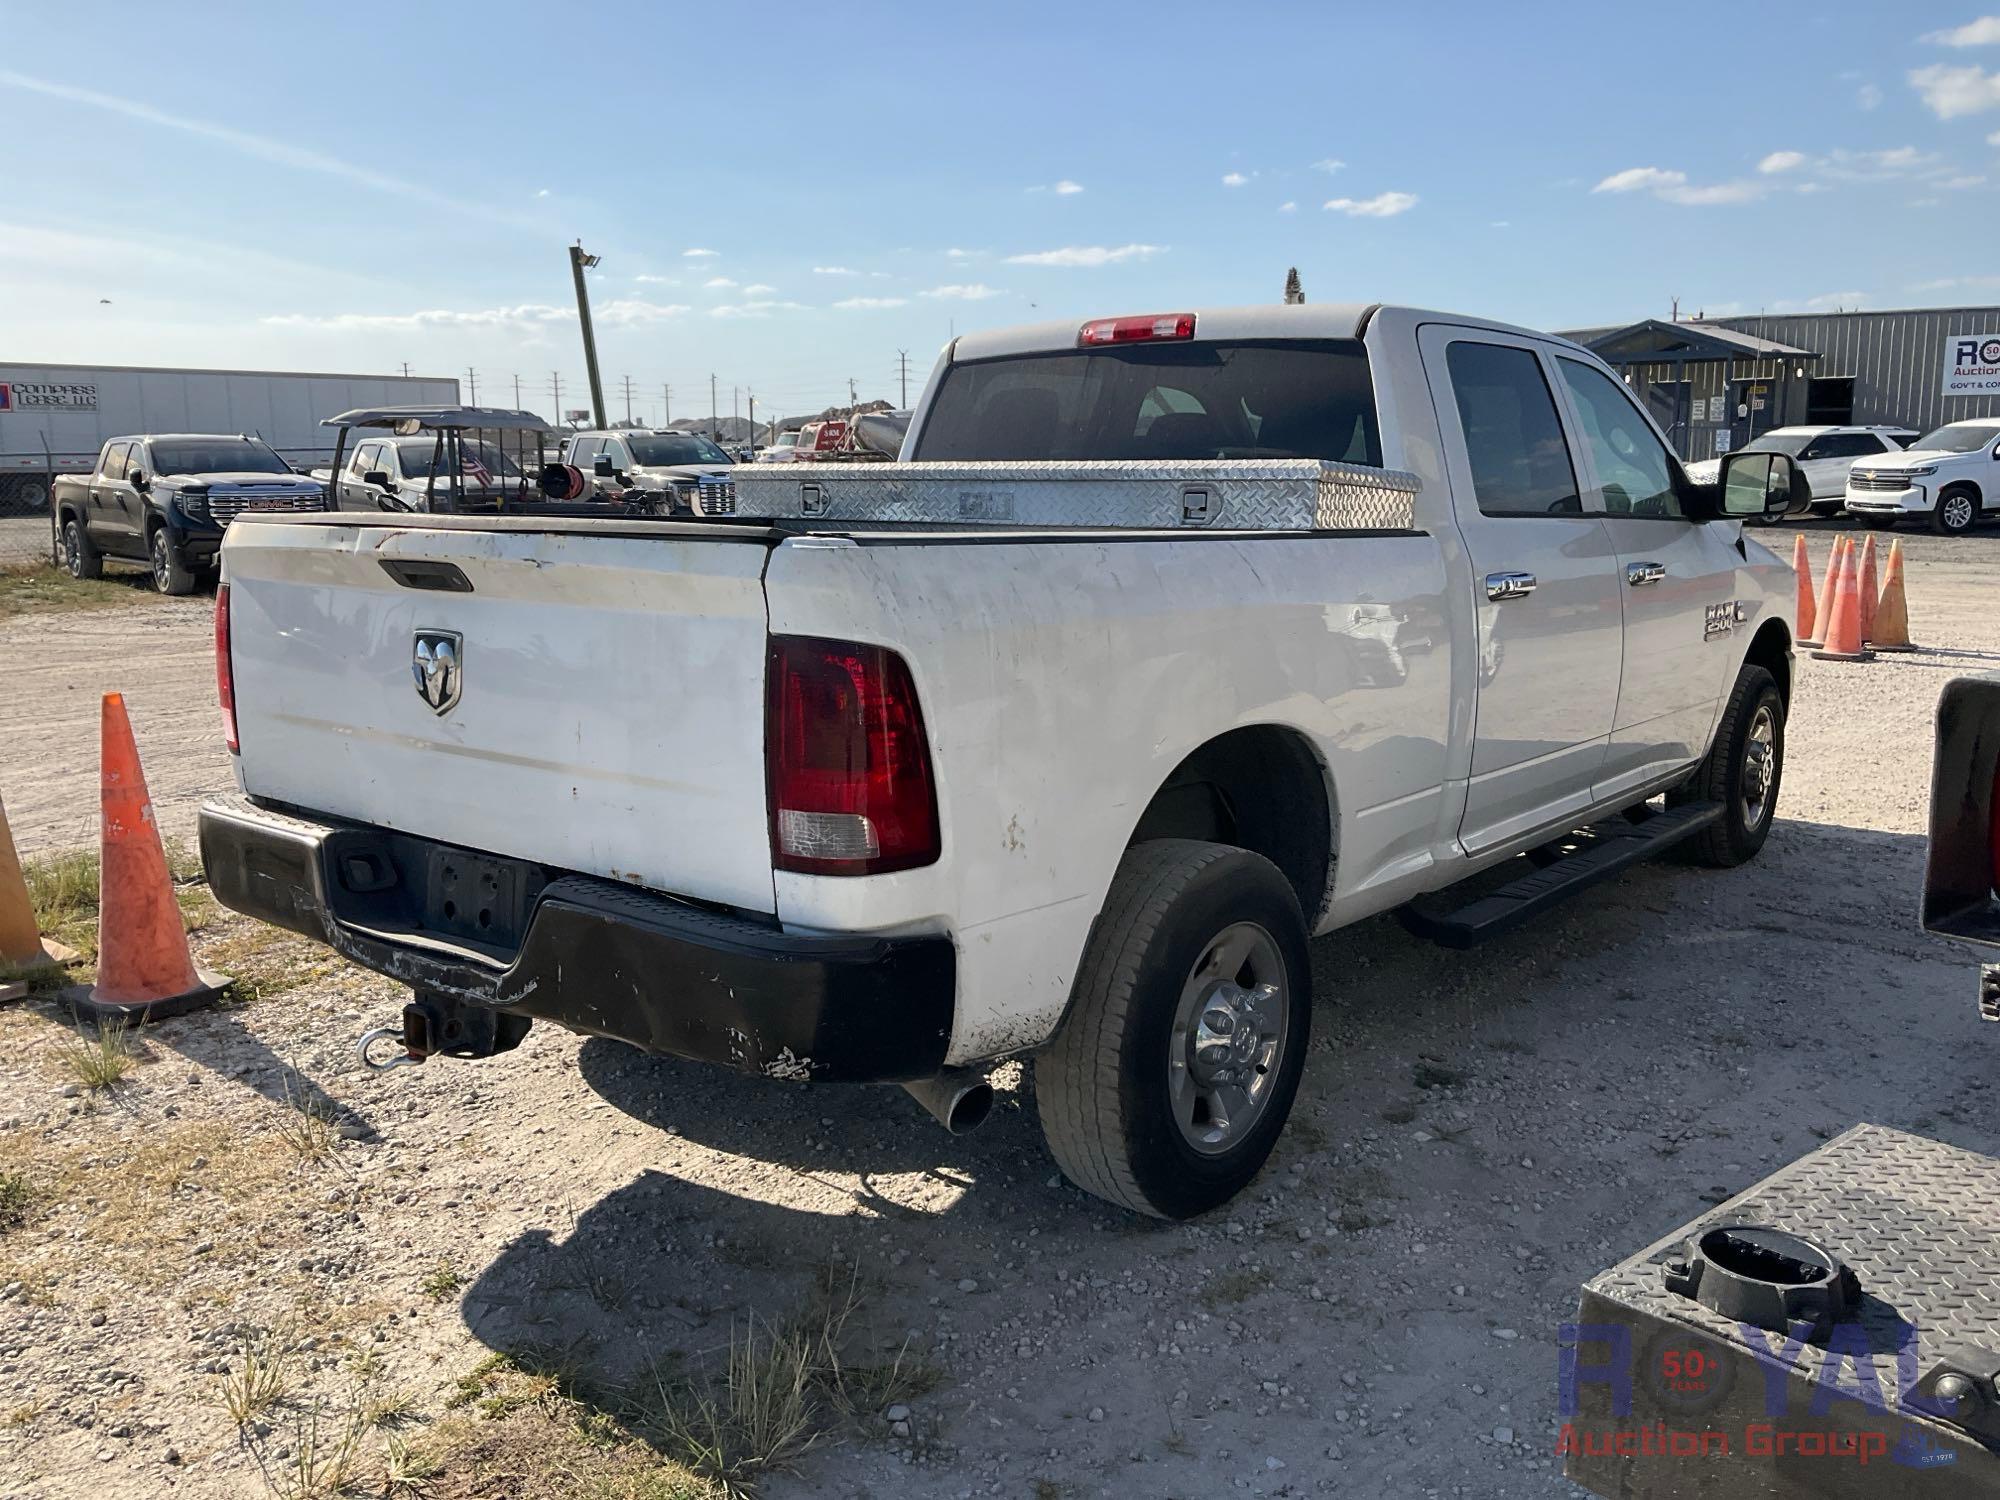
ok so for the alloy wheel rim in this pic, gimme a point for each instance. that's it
(160, 560)
(1760, 766)
(1229, 1034)
(1957, 512)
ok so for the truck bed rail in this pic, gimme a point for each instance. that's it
(1216, 494)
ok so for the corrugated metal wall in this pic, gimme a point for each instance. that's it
(1897, 360)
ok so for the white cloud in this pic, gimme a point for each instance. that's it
(648, 279)
(1671, 186)
(1328, 164)
(761, 308)
(1086, 255)
(243, 142)
(1869, 96)
(1961, 182)
(633, 312)
(716, 283)
(1984, 32)
(1829, 301)
(957, 254)
(1289, 206)
(1381, 206)
(697, 254)
(1712, 193)
(977, 291)
(1233, 179)
(523, 316)
(1066, 187)
(1982, 282)
(1632, 179)
(1949, 92)
(1502, 224)
(541, 192)
(760, 289)
(1993, 139)
(852, 303)
(834, 271)
(1782, 161)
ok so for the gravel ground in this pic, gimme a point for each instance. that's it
(1376, 1316)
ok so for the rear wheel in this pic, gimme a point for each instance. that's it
(1173, 1074)
(80, 557)
(171, 574)
(1956, 511)
(1742, 772)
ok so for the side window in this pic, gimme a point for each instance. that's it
(1632, 463)
(135, 458)
(363, 460)
(583, 452)
(615, 451)
(1513, 437)
(1845, 445)
(113, 463)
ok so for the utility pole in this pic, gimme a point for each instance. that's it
(628, 397)
(903, 370)
(555, 394)
(852, 399)
(714, 423)
(472, 384)
(753, 418)
(578, 262)
(735, 411)
(517, 390)
(406, 368)
(666, 404)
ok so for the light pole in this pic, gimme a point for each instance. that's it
(578, 262)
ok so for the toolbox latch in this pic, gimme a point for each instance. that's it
(1195, 502)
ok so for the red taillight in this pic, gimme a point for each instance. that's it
(845, 755)
(1153, 328)
(225, 672)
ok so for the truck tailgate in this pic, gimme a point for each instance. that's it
(609, 713)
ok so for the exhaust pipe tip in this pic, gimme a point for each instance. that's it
(959, 1099)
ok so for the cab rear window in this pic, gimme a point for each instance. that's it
(1291, 398)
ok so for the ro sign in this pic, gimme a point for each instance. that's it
(1972, 364)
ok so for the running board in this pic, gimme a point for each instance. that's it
(1616, 846)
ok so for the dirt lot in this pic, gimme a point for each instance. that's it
(1376, 1317)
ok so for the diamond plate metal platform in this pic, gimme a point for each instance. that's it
(1662, 1397)
(1223, 494)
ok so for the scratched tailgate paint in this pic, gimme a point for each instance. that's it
(610, 715)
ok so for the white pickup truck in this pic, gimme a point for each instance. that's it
(1170, 643)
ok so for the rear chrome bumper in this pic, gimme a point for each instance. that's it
(593, 955)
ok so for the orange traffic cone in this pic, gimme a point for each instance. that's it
(23, 949)
(144, 969)
(1807, 613)
(1867, 589)
(1843, 627)
(1823, 613)
(1892, 612)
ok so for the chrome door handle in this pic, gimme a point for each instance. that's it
(1509, 585)
(1644, 572)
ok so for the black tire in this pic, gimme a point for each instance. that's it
(171, 574)
(80, 555)
(1879, 523)
(1957, 508)
(1103, 1086)
(1725, 777)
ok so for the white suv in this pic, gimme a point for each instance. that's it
(1951, 475)
(1823, 455)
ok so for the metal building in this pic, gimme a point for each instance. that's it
(1715, 383)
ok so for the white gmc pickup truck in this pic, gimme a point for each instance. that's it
(1169, 643)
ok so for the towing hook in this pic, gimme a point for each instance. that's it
(381, 1033)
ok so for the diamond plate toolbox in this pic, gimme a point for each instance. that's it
(1223, 494)
(1735, 1358)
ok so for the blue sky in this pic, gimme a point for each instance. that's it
(786, 196)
